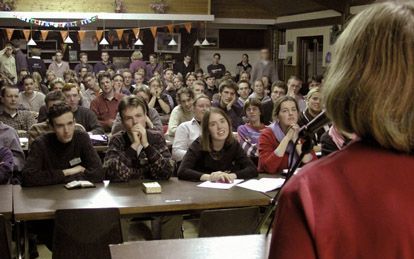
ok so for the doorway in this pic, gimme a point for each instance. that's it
(310, 56)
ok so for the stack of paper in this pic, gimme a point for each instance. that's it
(223, 186)
(263, 185)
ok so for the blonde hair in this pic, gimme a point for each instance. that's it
(370, 83)
(136, 55)
(312, 92)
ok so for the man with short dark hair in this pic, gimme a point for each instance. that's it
(153, 67)
(63, 155)
(83, 115)
(294, 85)
(243, 91)
(20, 120)
(279, 89)
(215, 68)
(58, 66)
(105, 106)
(140, 153)
(31, 99)
(35, 62)
(83, 63)
(104, 64)
(228, 103)
(211, 89)
(184, 67)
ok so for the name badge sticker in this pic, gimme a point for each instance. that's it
(75, 161)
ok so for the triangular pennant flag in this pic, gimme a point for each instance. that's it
(99, 34)
(44, 34)
(9, 32)
(26, 34)
(154, 31)
(119, 32)
(136, 32)
(188, 27)
(81, 35)
(111, 38)
(171, 28)
(64, 34)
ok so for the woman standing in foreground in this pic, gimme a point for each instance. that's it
(357, 203)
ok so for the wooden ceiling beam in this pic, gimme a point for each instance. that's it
(337, 5)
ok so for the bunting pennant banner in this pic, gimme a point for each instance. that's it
(136, 32)
(170, 28)
(188, 27)
(26, 34)
(44, 34)
(9, 32)
(81, 35)
(119, 32)
(58, 24)
(111, 38)
(99, 34)
(154, 31)
(64, 34)
(126, 37)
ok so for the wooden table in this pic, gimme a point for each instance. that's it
(36, 203)
(240, 247)
(6, 201)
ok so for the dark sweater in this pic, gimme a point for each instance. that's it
(153, 162)
(48, 157)
(197, 162)
(88, 120)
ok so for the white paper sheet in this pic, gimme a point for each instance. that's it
(98, 137)
(263, 185)
(223, 186)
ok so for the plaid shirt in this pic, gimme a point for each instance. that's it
(23, 120)
(123, 163)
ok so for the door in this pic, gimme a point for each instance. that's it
(310, 56)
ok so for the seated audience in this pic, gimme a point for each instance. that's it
(38, 83)
(357, 203)
(259, 91)
(58, 66)
(315, 81)
(119, 86)
(10, 140)
(188, 131)
(44, 127)
(35, 62)
(153, 67)
(178, 82)
(198, 87)
(243, 66)
(83, 63)
(92, 87)
(276, 143)
(294, 85)
(6, 165)
(63, 155)
(184, 67)
(228, 103)
(279, 89)
(137, 62)
(216, 156)
(31, 99)
(105, 106)
(199, 73)
(20, 120)
(168, 75)
(182, 112)
(243, 92)
(126, 73)
(248, 134)
(139, 80)
(211, 89)
(334, 140)
(153, 118)
(190, 78)
(313, 109)
(244, 76)
(215, 68)
(83, 116)
(104, 65)
(159, 100)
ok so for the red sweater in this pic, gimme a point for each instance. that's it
(269, 162)
(355, 203)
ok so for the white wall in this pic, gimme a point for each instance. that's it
(294, 34)
(229, 58)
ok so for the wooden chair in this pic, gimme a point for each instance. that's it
(229, 222)
(86, 233)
